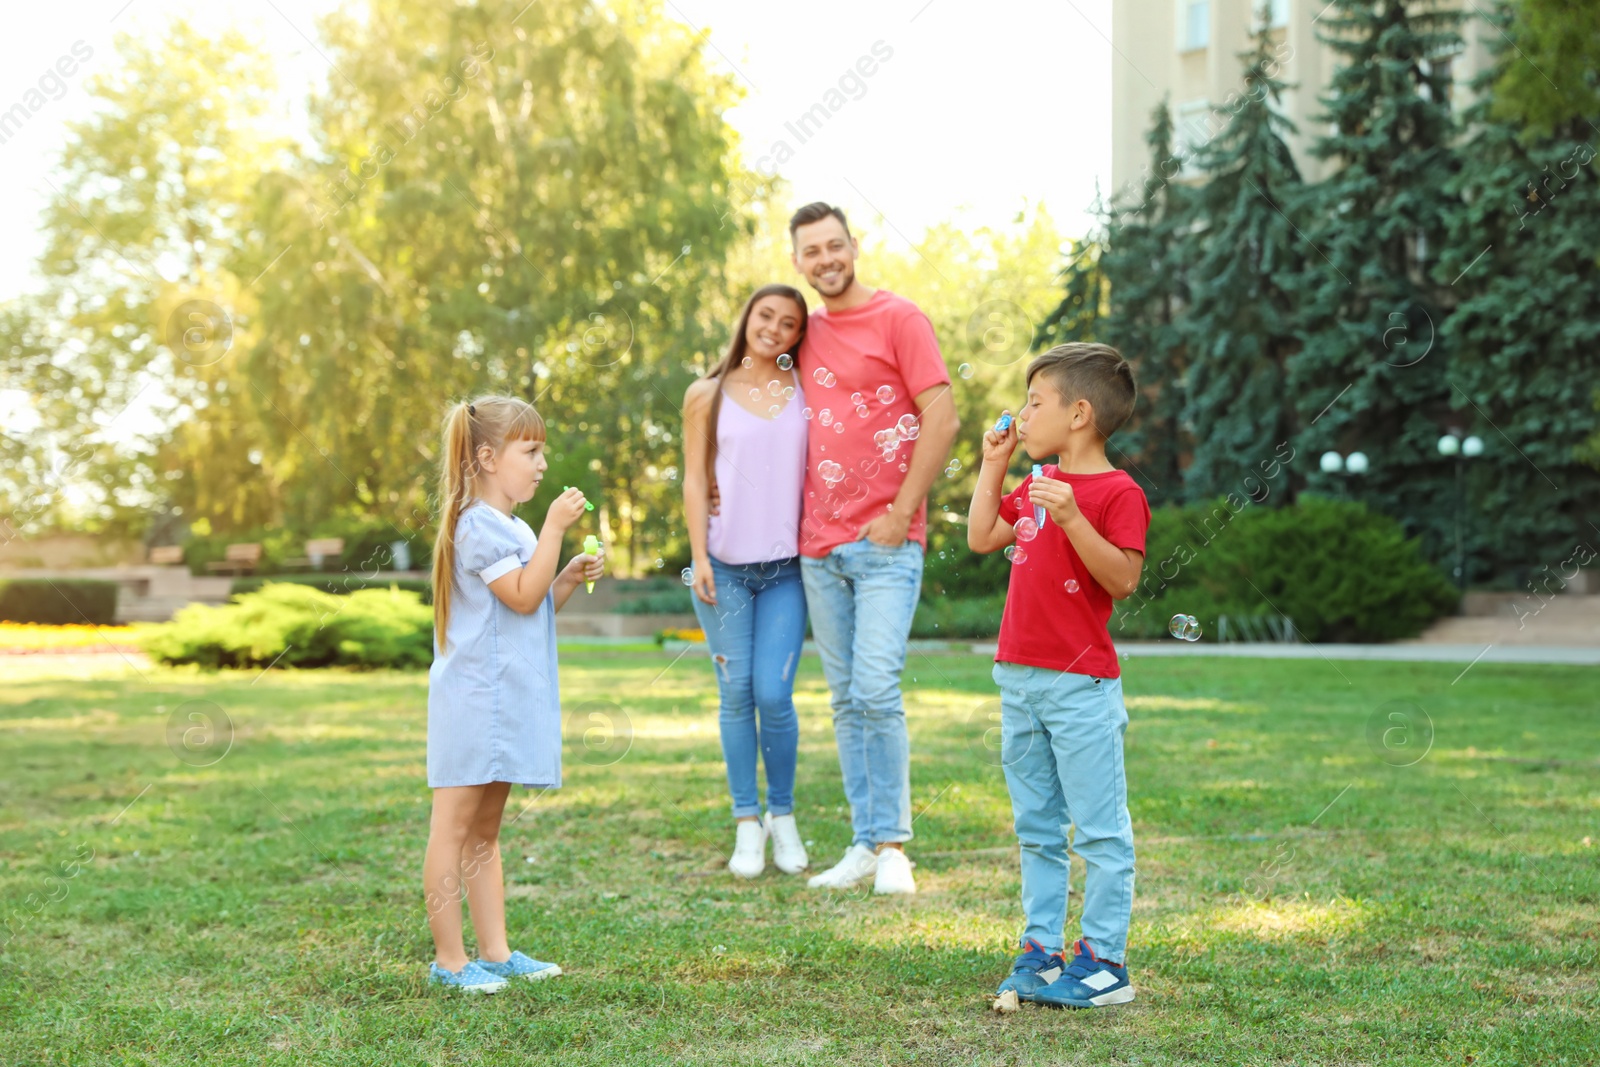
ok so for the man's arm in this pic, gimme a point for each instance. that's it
(938, 426)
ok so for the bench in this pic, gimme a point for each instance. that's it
(318, 551)
(167, 555)
(239, 559)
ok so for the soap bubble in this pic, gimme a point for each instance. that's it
(773, 411)
(907, 428)
(863, 411)
(785, 361)
(1184, 627)
(687, 575)
(965, 370)
(788, 391)
(856, 398)
(829, 380)
(819, 374)
(774, 387)
(955, 464)
(807, 412)
(885, 395)
(747, 363)
(1026, 529)
(1016, 554)
(825, 417)
(1072, 585)
(660, 563)
(755, 394)
(838, 427)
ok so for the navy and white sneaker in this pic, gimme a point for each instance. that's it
(1089, 982)
(520, 966)
(1034, 970)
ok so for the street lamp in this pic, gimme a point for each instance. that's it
(1333, 463)
(1453, 446)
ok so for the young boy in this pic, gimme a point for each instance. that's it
(1079, 529)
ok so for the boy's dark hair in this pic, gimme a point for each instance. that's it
(816, 212)
(1093, 372)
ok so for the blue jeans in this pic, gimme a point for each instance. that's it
(754, 634)
(862, 596)
(1061, 745)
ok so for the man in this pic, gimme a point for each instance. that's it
(882, 423)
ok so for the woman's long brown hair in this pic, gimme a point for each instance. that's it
(735, 354)
(488, 421)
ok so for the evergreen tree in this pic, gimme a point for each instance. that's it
(1525, 336)
(1371, 374)
(1242, 319)
(1142, 262)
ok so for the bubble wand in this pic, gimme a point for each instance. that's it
(592, 546)
(1038, 509)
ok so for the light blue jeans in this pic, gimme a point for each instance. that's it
(1061, 746)
(755, 633)
(862, 596)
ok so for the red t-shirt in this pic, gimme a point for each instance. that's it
(1056, 613)
(886, 342)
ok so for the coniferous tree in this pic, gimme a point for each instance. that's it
(1242, 320)
(1525, 336)
(1371, 375)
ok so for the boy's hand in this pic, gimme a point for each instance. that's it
(997, 447)
(565, 510)
(1059, 502)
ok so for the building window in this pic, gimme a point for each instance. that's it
(1277, 12)
(1192, 128)
(1194, 24)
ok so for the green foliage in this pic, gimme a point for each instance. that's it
(952, 619)
(367, 548)
(293, 625)
(338, 584)
(1339, 570)
(58, 601)
(1556, 82)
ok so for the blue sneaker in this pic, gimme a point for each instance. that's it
(469, 979)
(1090, 982)
(1034, 970)
(520, 966)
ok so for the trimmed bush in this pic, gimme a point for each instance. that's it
(338, 584)
(1340, 571)
(58, 601)
(294, 625)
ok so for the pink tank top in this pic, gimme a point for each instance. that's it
(761, 471)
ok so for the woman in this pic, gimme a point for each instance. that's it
(744, 432)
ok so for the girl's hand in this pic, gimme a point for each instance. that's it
(997, 447)
(565, 510)
(705, 583)
(588, 566)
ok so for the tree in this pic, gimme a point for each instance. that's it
(1525, 335)
(1371, 373)
(1558, 82)
(1242, 320)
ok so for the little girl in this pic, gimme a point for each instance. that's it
(494, 717)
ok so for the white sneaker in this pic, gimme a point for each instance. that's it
(858, 862)
(788, 851)
(749, 849)
(894, 873)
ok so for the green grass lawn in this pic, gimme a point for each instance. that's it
(1303, 896)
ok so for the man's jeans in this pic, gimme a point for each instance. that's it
(1061, 745)
(862, 596)
(754, 634)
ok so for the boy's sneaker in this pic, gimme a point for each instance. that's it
(788, 851)
(1034, 970)
(1089, 982)
(469, 979)
(520, 966)
(858, 862)
(894, 873)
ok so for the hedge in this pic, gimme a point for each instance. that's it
(338, 584)
(58, 601)
(293, 625)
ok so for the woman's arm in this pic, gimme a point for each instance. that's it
(696, 485)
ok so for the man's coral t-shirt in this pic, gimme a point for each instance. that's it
(886, 341)
(1056, 613)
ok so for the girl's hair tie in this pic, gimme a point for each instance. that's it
(471, 410)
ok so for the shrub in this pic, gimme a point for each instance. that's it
(58, 600)
(338, 584)
(1340, 571)
(295, 625)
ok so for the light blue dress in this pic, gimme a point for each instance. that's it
(494, 710)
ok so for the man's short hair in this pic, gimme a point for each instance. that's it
(1093, 372)
(816, 212)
